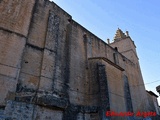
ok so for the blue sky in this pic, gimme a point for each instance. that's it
(140, 17)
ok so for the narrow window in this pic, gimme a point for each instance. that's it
(127, 94)
(115, 57)
(116, 48)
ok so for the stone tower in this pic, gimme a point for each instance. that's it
(125, 45)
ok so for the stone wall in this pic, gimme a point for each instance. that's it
(14, 27)
(53, 68)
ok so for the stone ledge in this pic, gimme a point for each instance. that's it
(108, 61)
(52, 101)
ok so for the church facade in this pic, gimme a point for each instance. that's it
(52, 68)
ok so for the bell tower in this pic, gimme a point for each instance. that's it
(125, 45)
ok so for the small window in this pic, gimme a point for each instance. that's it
(115, 57)
(116, 48)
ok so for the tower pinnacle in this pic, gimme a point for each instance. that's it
(120, 35)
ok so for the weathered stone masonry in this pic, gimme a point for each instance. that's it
(52, 68)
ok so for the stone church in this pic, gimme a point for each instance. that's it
(52, 68)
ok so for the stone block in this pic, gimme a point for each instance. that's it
(78, 98)
(31, 63)
(51, 100)
(58, 85)
(11, 49)
(94, 99)
(95, 116)
(80, 116)
(28, 82)
(9, 71)
(43, 113)
(19, 110)
(16, 15)
(48, 64)
(45, 84)
(7, 89)
(37, 33)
